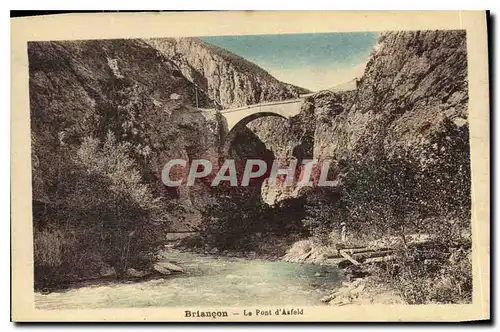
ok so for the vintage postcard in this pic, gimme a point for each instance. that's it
(250, 166)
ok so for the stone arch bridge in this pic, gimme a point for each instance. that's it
(241, 116)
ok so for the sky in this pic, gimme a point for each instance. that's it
(313, 61)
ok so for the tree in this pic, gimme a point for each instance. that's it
(382, 194)
(130, 217)
(230, 221)
(324, 211)
(446, 174)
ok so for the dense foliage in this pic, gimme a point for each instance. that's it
(101, 214)
(94, 206)
(231, 222)
(404, 196)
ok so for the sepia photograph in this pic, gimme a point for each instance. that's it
(254, 175)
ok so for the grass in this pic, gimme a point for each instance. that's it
(48, 247)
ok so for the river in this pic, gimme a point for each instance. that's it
(208, 281)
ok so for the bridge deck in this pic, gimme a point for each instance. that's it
(246, 107)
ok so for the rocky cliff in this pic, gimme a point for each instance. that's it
(414, 87)
(82, 89)
(228, 79)
(413, 96)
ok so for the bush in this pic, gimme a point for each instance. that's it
(399, 194)
(104, 214)
(129, 218)
(324, 211)
(396, 195)
(48, 248)
(61, 256)
(446, 280)
(232, 222)
(382, 194)
(286, 217)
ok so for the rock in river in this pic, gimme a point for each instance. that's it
(170, 266)
(108, 272)
(131, 272)
(158, 267)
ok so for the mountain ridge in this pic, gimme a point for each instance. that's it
(229, 79)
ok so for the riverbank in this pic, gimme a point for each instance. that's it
(271, 247)
(306, 267)
(208, 280)
(360, 285)
(423, 269)
(368, 290)
(355, 286)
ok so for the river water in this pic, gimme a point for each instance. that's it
(208, 281)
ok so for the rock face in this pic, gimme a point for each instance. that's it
(228, 79)
(86, 88)
(414, 86)
(413, 95)
(305, 251)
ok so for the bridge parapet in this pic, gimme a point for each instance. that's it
(245, 114)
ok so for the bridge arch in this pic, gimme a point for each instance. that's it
(237, 118)
(285, 108)
(249, 118)
(231, 135)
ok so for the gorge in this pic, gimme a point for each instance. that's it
(107, 115)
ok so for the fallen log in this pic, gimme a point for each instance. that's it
(366, 255)
(348, 257)
(364, 249)
(334, 261)
(341, 246)
(333, 256)
(380, 259)
(356, 250)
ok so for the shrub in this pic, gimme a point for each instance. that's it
(398, 194)
(286, 217)
(324, 211)
(446, 280)
(381, 195)
(48, 248)
(61, 256)
(230, 222)
(103, 214)
(129, 218)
